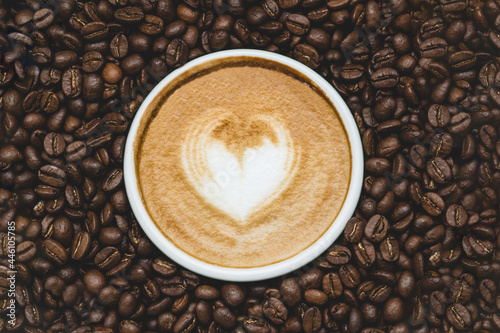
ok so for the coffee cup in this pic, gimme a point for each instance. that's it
(243, 165)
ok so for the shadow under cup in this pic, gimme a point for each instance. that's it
(243, 165)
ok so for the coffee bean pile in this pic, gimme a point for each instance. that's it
(422, 79)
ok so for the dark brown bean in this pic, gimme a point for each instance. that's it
(177, 53)
(433, 203)
(129, 15)
(307, 55)
(95, 31)
(81, 245)
(92, 62)
(55, 251)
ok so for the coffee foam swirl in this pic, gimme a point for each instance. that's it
(243, 166)
(239, 163)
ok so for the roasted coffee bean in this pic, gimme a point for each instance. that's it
(456, 216)
(438, 115)
(81, 245)
(259, 40)
(108, 258)
(94, 281)
(113, 180)
(152, 25)
(31, 102)
(487, 74)
(111, 73)
(218, 40)
(52, 175)
(318, 38)
(307, 55)
(394, 310)
(439, 170)
(93, 87)
(311, 321)
(43, 18)
(315, 297)
(55, 251)
(25, 251)
(73, 196)
(460, 123)
(290, 291)
(385, 78)
(271, 7)
(462, 60)
(433, 27)
(441, 145)
(46, 192)
(376, 228)
(54, 144)
(488, 136)
(354, 229)
(480, 247)
(488, 290)
(383, 59)
(163, 267)
(256, 15)
(275, 310)
(338, 255)
(10, 154)
(364, 252)
(311, 279)
(349, 276)
(132, 64)
(139, 43)
(92, 62)
(97, 141)
(232, 294)
(177, 53)
(41, 55)
(65, 59)
(380, 294)
(224, 317)
(433, 47)
(61, 230)
(297, 24)
(207, 292)
(332, 285)
(110, 236)
(389, 249)
(118, 46)
(438, 302)
(459, 316)
(364, 290)
(95, 31)
(72, 82)
(494, 94)
(129, 15)
(432, 203)
(49, 102)
(75, 151)
(351, 72)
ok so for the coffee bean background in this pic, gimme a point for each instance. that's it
(422, 79)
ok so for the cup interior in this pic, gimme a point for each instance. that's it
(255, 273)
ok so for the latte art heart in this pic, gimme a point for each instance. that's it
(243, 166)
(239, 165)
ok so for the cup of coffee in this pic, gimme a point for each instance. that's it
(243, 165)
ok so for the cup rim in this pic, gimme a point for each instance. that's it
(254, 273)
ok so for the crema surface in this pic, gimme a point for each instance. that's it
(243, 166)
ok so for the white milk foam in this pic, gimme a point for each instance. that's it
(239, 185)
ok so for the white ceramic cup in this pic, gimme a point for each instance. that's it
(263, 272)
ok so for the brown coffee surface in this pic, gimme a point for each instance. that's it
(244, 166)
